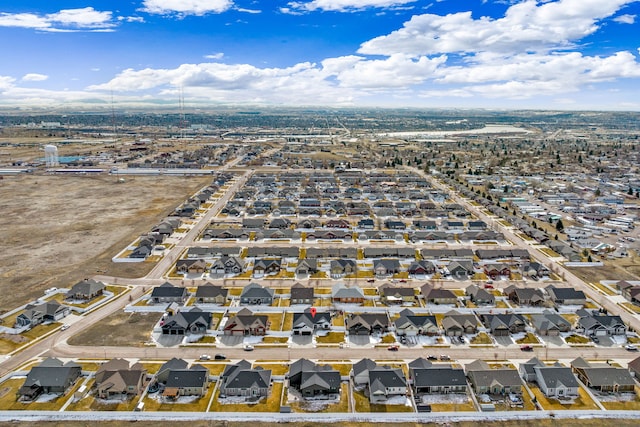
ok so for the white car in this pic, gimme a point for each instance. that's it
(631, 347)
(64, 327)
(248, 347)
(205, 357)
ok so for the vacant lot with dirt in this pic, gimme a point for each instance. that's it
(617, 269)
(56, 230)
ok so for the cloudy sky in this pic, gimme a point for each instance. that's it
(549, 54)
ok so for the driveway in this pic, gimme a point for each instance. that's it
(503, 341)
(230, 340)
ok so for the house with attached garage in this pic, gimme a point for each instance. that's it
(313, 380)
(456, 324)
(255, 294)
(117, 378)
(191, 381)
(385, 383)
(264, 267)
(426, 378)
(307, 267)
(566, 296)
(409, 324)
(600, 325)
(527, 371)
(245, 323)
(307, 323)
(211, 294)
(501, 325)
(35, 314)
(480, 296)
(340, 293)
(397, 295)
(603, 377)
(168, 293)
(227, 265)
(50, 376)
(191, 266)
(86, 290)
(188, 323)
(421, 268)
(301, 294)
(460, 270)
(433, 295)
(486, 380)
(342, 267)
(172, 364)
(241, 380)
(550, 323)
(367, 323)
(386, 267)
(525, 296)
(557, 381)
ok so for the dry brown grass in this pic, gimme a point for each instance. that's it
(84, 220)
(119, 329)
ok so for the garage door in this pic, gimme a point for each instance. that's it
(601, 333)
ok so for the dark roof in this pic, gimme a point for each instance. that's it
(211, 291)
(438, 376)
(168, 290)
(196, 376)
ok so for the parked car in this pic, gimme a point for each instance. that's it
(205, 357)
(631, 347)
(526, 348)
(444, 357)
(432, 357)
(219, 357)
(393, 347)
(64, 327)
(248, 347)
(595, 339)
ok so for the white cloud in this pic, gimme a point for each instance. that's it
(186, 7)
(216, 56)
(6, 82)
(138, 19)
(625, 19)
(526, 26)
(251, 11)
(34, 77)
(67, 20)
(341, 5)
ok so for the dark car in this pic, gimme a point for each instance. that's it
(219, 357)
(432, 357)
(526, 348)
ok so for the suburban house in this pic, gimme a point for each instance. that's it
(360, 371)
(301, 294)
(255, 294)
(191, 381)
(397, 295)
(600, 324)
(264, 267)
(306, 323)
(307, 267)
(342, 267)
(168, 293)
(456, 324)
(433, 295)
(485, 380)
(227, 265)
(173, 364)
(341, 293)
(211, 294)
(86, 290)
(241, 380)
(35, 314)
(460, 270)
(502, 325)
(386, 267)
(566, 296)
(313, 380)
(480, 296)
(527, 371)
(429, 379)
(557, 381)
(367, 323)
(550, 323)
(535, 269)
(409, 324)
(50, 376)
(192, 322)
(385, 383)
(524, 296)
(421, 268)
(603, 377)
(191, 266)
(118, 379)
(494, 271)
(634, 367)
(246, 323)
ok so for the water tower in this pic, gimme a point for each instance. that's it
(51, 155)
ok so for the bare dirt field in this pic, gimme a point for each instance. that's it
(56, 230)
(119, 329)
(619, 269)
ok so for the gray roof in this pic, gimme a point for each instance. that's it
(52, 372)
(557, 376)
(86, 287)
(438, 376)
(340, 290)
(363, 365)
(248, 378)
(382, 378)
(211, 291)
(196, 376)
(253, 290)
(325, 379)
(486, 378)
(168, 290)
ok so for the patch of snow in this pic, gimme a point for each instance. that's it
(450, 398)
(48, 397)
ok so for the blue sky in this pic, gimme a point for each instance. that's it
(542, 54)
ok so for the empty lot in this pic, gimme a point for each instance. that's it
(56, 230)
